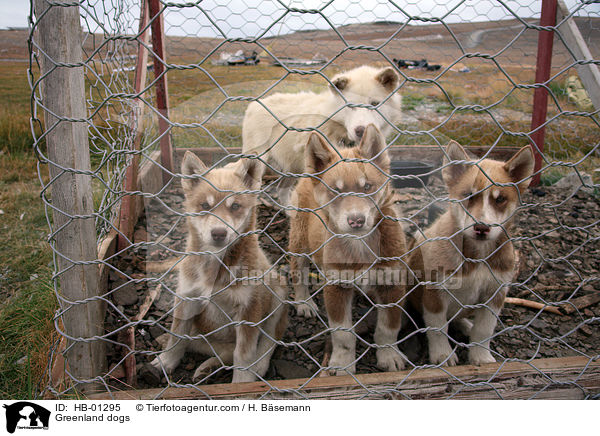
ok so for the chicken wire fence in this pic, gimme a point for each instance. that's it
(465, 71)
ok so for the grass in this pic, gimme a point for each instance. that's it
(27, 302)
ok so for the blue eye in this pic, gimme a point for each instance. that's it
(367, 186)
(205, 206)
(235, 206)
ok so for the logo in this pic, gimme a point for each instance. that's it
(26, 415)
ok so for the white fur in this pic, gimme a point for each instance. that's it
(262, 132)
(476, 288)
(343, 343)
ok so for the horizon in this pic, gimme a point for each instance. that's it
(264, 19)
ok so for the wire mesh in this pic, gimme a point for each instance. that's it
(465, 71)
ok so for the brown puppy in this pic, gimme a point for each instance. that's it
(350, 235)
(224, 313)
(468, 253)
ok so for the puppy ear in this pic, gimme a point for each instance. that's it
(388, 79)
(520, 167)
(191, 165)
(251, 172)
(372, 146)
(340, 83)
(452, 171)
(318, 155)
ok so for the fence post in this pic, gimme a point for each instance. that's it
(542, 74)
(162, 93)
(63, 97)
(127, 213)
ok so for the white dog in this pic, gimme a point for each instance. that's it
(265, 129)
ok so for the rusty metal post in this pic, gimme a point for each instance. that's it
(162, 95)
(127, 213)
(542, 74)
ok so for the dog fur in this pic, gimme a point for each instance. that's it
(469, 250)
(349, 228)
(264, 134)
(235, 322)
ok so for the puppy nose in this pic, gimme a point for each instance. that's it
(218, 234)
(360, 130)
(356, 220)
(481, 229)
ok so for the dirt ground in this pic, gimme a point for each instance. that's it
(557, 238)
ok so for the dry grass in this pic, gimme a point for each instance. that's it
(27, 302)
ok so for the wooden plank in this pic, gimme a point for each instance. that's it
(588, 73)
(162, 92)
(546, 378)
(127, 213)
(59, 37)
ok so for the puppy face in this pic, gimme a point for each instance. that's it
(485, 207)
(369, 86)
(350, 192)
(220, 209)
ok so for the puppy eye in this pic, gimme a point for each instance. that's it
(467, 194)
(500, 199)
(235, 206)
(367, 187)
(205, 206)
(375, 103)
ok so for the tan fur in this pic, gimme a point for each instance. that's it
(206, 276)
(324, 234)
(481, 266)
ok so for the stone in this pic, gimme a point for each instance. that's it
(586, 330)
(163, 340)
(164, 303)
(126, 295)
(290, 370)
(539, 324)
(573, 180)
(155, 331)
(150, 374)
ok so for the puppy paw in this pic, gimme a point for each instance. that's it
(205, 368)
(479, 356)
(307, 310)
(165, 361)
(341, 363)
(443, 356)
(389, 359)
(241, 376)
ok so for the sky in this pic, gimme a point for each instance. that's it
(249, 18)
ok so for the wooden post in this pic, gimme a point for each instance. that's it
(63, 96)
(542, 74)
(127, 215)
(162, 94)
(589, 73)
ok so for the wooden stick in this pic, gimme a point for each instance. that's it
(129, 339)
(152, 295)
(580, 302)
(533, 305)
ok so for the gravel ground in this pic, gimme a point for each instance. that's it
(559, 260)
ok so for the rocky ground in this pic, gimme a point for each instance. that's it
(557, 238)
